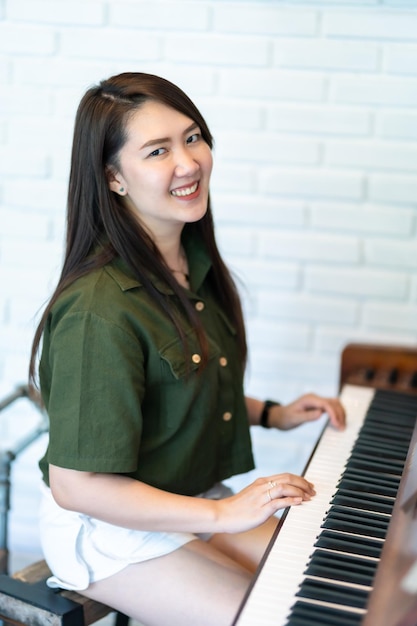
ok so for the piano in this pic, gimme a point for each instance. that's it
(349, 556)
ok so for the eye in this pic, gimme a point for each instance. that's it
(157, 152)
(193, 138)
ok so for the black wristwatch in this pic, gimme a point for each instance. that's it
(264, 421)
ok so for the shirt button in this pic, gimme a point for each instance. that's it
(199, 306)
(196, 358)
(223, 361)
(227, 416)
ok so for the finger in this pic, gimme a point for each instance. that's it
(290, 484)
(336, 414)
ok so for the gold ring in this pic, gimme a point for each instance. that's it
(269, 495)
(272, 484)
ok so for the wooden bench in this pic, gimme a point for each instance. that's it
(26, 600)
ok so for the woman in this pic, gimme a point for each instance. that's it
(142, 375)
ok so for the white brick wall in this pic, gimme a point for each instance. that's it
(313, 109)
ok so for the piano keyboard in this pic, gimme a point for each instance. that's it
(345, 523)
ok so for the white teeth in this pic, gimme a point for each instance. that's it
(185, 192)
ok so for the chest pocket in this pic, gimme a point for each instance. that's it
(185, 357)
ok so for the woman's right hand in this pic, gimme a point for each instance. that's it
(260, 500)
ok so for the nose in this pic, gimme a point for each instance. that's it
(185, 163)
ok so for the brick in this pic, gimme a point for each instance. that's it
(372, 155)
(397, 125)
(37, 194)
(218, 50)
(307, 308)
(388, 188)
(269, 84)
(314, 183)
(229, 178)
(376, 90)
(399, 254)
(94, 44)
(232, 209)
(400, 59)
(323, 120)
(261, 19)
(52, 12)
(56, 72)
(359, 281)
(258, 273)
(398, 318)
(239, 242)
(24, 309)
(336, 339)
(23, 39)
(326, 54)
(196, 81)
(266, 148)
(42, 254)
(36, 281)
(413, 289)
(309, 246)
(301, 365)
(5, 70)
(278, 336)
(384, 24)
(23, 100)
(40, 130)
(23, 224)
(189, 16)
(221, 114)
(31, 162)
(363, 218)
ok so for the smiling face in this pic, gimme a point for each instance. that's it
(164, 169)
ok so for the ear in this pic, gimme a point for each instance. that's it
(116, 182)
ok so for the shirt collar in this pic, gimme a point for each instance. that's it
(198, 261)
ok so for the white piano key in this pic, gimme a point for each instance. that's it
(274, 591)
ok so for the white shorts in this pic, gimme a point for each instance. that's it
(80, 549)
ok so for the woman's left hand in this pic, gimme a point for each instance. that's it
(307, 408)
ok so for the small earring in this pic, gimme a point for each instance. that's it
(121, 190)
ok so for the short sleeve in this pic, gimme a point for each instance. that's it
(95, 382)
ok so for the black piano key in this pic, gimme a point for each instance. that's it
(335, 573)
(381, 450)
(366, 496)
(366, 518)
(336, 594)
(304, 614)
(351, 544)
(386, 465)
(343, 562)
(367, 487)
(354, 527)
(361, 503)
(367, 475)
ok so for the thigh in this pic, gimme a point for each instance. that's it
(195, 584)
(246, 548)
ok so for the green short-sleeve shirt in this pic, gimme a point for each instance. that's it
(122, 394)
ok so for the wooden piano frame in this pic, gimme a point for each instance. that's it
(379, 367)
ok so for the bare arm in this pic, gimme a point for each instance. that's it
(126, 502)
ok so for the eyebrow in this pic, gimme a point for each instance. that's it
(153, 142)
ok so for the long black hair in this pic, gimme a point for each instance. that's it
(100, 227)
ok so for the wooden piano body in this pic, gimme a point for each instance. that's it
(392, 597)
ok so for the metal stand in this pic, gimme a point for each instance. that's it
(6, 459)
